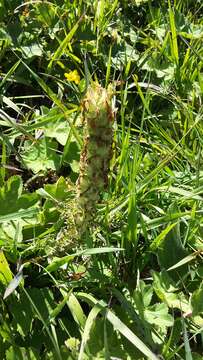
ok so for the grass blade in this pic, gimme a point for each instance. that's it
(22, 214)
(64, 43)
(120, 326)
(88, 325)
(58, 262)
(56, 100)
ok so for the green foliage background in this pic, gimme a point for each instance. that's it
(132, 289)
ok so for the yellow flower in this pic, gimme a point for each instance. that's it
(73, 76)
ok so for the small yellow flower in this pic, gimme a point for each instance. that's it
(73, 76)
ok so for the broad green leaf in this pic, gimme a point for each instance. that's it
(44, 194)
(31, 50)
(72, 156)
(172, 251)
(21, 353)
(5, 272)
(130, 308)
(42, 303)
(39, 303)
(146, 292)
(60, 190)
(125, 331)
(43, 300)
(22, 314)
(47, 14)
(167, 292)
(12, 199)
(41, 155)
(58, 129)
(200, 270)
(197, 301)
(105, 343)
(163, 70)
(158, 315)
(48, 118)
(122, 54)
(9, 195)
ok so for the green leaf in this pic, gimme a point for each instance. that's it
(11, 104)
(21, 214)
(43, 300)
(161, 237)
(4, 35)
(147, 293)
(200, 270)
(20, 353)
(22, 313)
(5, 272)
(63, 45)
(56, 311)
(183, 261)
(76, 311)
(182, 192)
(122, 54)
(167, 292)
(56, 100)
(9, 73)
(174, 42)
(172, 251)
(12, 199)
(120, 326)
(42, 155)
(72, 156)
(58, 262)
(47, 14)
(31, 50)
(13, 284)
(88, 325)
(197, 301)
(58, 129)
(9, 195)
(60, 191)
(158, 315)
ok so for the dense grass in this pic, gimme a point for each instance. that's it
(132, 287)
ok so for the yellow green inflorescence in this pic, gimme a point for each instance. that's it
(95, 156)
(96, 153)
